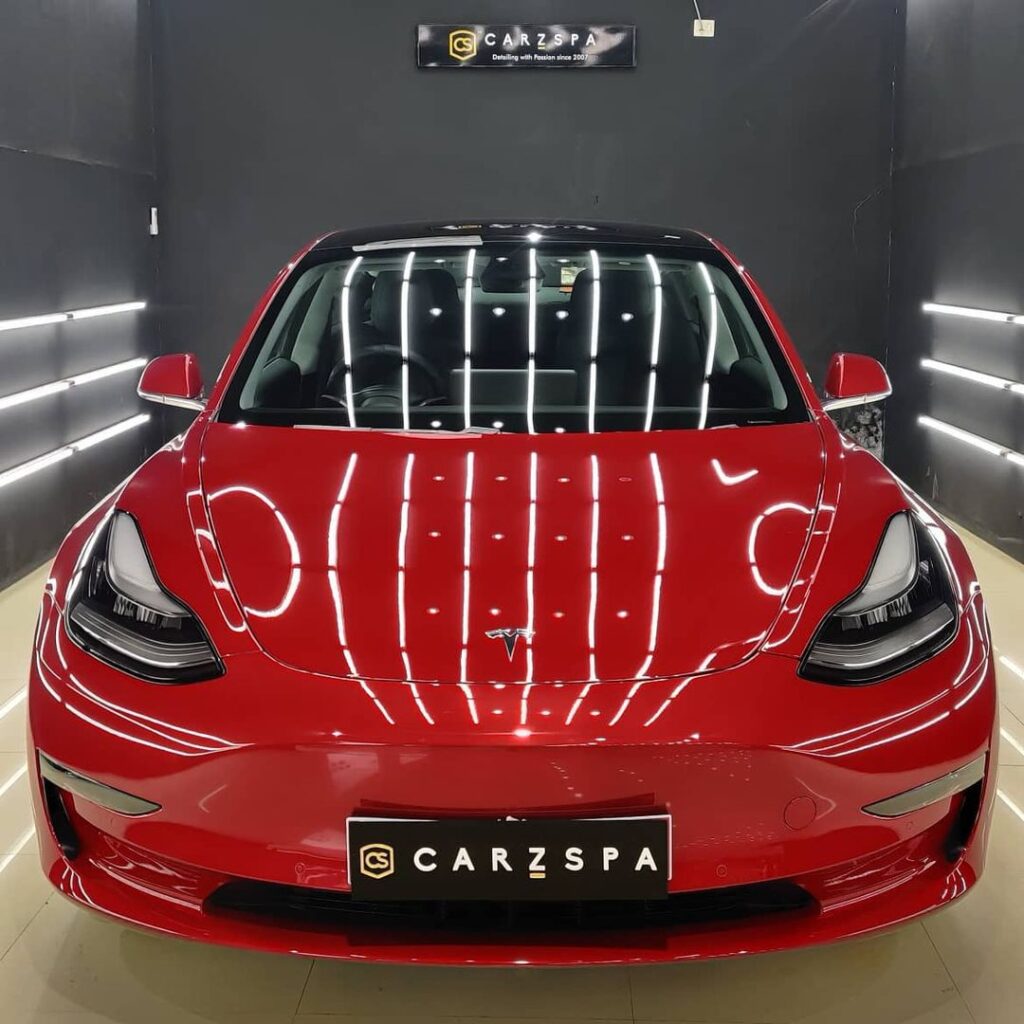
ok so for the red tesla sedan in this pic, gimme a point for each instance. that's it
(513, 599)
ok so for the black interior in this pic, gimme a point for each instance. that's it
(500, 318)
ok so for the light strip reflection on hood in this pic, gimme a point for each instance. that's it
(335, 584)
(731, 480)
(403, 537)
(332, 562)
(295, 571)
(755, 571)
(531, 562)
(682, 685)
(595, 526)
(659, 568)
(467, 548)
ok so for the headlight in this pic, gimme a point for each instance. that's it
(120, 613)
(903, 613)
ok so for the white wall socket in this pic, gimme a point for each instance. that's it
(704, 28)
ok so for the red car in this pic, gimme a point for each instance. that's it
(513, 599)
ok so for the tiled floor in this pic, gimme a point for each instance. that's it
(59, 965)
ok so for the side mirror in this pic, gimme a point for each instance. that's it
(854, 380)
(173, 380)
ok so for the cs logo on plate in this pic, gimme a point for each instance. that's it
(377, 860)
(462, 44)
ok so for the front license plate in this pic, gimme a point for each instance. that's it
(532, 859)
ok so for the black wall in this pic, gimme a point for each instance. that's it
(257, 124)
(76, 183)
(958, 227)
(278, 121)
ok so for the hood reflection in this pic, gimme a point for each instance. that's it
(619, 557)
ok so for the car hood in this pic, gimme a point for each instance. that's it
(381, 555)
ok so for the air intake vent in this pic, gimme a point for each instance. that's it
(327, 908)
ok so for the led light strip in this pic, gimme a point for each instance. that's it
(71, 314)
(1002, 383)
(981, 443)
(67, 450)
(54, 387)
(973, 314)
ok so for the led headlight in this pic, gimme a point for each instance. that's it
(903, 613)
(121, 614)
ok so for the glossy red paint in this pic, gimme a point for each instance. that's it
(347, 580)
(852, 376)
(172, 376)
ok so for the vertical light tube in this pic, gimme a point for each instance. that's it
(595, 327)
(531, 381)
(652, 384)
(406, 281)
(709, 361)
(346, 338)
(467, 331)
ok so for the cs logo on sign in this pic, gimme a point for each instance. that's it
(377, 860)
(462, 44)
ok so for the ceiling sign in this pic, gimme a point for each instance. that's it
(526, 46)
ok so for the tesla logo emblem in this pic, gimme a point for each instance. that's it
(511, 637)
(462, 44)
(377, 860)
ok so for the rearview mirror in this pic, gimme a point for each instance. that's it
(854, 380)
(173, 380)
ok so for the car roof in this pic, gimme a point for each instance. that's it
(592, 232)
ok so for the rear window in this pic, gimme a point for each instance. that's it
(515, 338)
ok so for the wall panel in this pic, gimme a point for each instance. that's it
(76, 184)
(958, 220)
(277, 122)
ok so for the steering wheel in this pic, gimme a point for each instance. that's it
(425, 382)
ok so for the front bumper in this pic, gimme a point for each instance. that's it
(764, 775)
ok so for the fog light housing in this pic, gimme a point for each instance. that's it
(931, 792)
(96, 792)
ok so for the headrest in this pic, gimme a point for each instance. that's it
(629, 292)
(386, 304)
(507, 273)
(430, 291)
(279, 385)
(361, 287)
(444, 292)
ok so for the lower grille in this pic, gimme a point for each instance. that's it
(322, 908)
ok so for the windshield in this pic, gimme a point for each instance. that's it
(514, 337)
